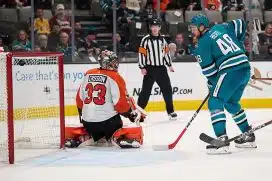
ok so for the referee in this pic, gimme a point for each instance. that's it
(153, 56)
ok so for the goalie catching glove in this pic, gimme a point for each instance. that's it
(134, 116)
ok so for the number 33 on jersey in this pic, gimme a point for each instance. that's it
(102, 95)
(221, 49)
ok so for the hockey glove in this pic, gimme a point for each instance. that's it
(135, 116)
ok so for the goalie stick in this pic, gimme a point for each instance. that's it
(215, 142)
(173, 145)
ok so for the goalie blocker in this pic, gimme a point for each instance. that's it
(101, 99)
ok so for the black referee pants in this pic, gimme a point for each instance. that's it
(156, 74)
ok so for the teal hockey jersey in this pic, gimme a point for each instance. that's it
(221, 49)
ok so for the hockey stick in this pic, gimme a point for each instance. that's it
(260, 78)
(210, 140)
(172, 145)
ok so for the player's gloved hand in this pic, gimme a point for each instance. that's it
(135, 116)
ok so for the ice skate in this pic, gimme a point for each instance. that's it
(127, 143)
(215, 150)
(246, 141)
(173, 116)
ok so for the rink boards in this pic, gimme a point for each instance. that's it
(36, 90)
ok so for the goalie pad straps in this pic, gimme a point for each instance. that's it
(128, 134)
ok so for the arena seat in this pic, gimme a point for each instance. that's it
(214, 16)
(190, 14)
(24, 14)
(267, 16)
(8, 14)
(232, 15)
(174, 16)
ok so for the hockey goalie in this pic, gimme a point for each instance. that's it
(101, 100)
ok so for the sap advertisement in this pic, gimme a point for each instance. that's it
(37, 86)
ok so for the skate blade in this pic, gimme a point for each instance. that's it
(219, 151)
(246, 145)
(173, 119)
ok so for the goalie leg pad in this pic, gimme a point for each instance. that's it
(74, 136)
(129, 137)
(72, 132)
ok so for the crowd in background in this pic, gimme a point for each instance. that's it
(53, 34)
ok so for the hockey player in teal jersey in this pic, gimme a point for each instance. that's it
(221, 56)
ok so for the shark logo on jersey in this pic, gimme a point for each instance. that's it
(198, 58)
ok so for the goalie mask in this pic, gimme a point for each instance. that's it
(108, 60)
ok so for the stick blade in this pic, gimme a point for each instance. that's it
(206, 138)
(210, 140)
(160, 147)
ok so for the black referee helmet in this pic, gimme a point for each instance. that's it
(155, 21)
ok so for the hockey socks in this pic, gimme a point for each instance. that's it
(218, 119)
(241, 120)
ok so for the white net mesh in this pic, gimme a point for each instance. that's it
(35, 102)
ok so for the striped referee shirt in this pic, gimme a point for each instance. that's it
(154, 51)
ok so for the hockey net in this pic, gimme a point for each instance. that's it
(31, 103)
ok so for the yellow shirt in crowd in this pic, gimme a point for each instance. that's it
(42, 26)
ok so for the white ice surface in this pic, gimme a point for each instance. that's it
(187, 162)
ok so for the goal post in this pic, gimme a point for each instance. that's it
(31, 103)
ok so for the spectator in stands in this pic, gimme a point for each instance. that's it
(21, 43)
(248, 44)
(212, 5)
(233, 5)
(255, 4)
(79, 33)
(41, 24)
(87, 46)
(268, 5)
(61, 19)
(43, 42)
(64, 45)
(172, 50)
(194, 5)
(265, 38)
(163, 4)
(3, 46)
(127, 12)
(37, 48)
(106, 6)
(182, 48)
(148, 13)
(120, 48)
(53, 37)
(126, 15)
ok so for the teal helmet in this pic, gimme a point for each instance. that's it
(200, 19)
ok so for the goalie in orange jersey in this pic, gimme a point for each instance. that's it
(101, 99)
